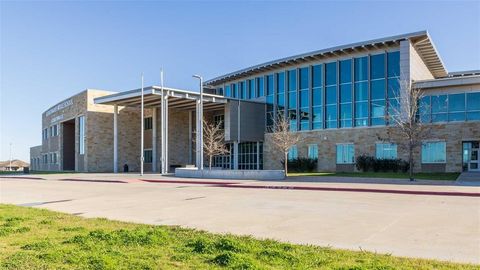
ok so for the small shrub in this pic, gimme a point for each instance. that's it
(366, 163)
(301, 164)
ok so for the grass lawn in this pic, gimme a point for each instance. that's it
(425, 176)
(10, 172)
(40, 239)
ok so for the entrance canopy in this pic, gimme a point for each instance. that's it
(177, 99)
(172, 99)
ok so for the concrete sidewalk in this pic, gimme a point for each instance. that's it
(439, 227)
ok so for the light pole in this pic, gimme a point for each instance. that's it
(200, 121)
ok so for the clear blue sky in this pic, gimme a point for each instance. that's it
(52, 50)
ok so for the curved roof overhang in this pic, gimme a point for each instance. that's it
(420, 40)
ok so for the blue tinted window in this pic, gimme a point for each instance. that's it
(269, 85)
(317, 114)
(331, 115)
(434, 152)
(304, 98)
(377, 89)
(331, 95)
(345, 93)
(260, 87)
(317, 96)
(234, 90)
(304, 119)
(393, 59)
(377, 66)
(269, 101)
(317, 76)
(346, 71)
(456, 102)
(439, 104)
(280, 82)
(292, 99)
(361, 109)
(473, 116)
(424, 109)
(361, 91)
(292, 80)
(281, 101)
(361, 68)
(228, 91)
(346, 114)
(331, 73)
(439, 117)
(393, 88)
(304, 78)
(378, 108)
(243, 90)
(473, 101)
(251, 89)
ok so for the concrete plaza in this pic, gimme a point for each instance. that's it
(426, 221)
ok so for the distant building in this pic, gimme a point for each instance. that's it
(338, 99)
(14, 165)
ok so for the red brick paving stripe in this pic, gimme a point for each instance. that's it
(95, 181)
(189, 182)
(23, 177)
(391, 191)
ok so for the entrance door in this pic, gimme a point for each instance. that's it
(474, 162)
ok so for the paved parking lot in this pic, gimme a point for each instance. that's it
(429, 225)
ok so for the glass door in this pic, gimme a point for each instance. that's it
(474, 162)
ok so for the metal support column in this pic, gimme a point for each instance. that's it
(235, 155)
(190, 130)
(115, 138)
(197, 135)
(154, 139)
(258, 155)
(166, 132)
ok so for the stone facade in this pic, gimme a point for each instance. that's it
(364, 140)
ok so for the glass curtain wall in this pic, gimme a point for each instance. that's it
(251, 89)
(259, 81)
(269, 103)
(450, 107)
(377, 89)
(317, 97)
(292, 99)
(304, 99)
(361, 91)
(346, 93)
(331, 95)
(280, 93)
(393, 84)
(355, 92)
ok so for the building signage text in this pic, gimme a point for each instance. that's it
(59, 106)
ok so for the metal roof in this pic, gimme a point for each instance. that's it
(179, 99)
(421, 41)
(449, 81)
(464, 73)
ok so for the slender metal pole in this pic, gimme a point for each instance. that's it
(162, 123)
(200, 126)
(141, 132)
(201, 123)
(115, 138)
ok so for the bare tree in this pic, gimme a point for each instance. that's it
(213, 141)
(282, 138)
(406, 126)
